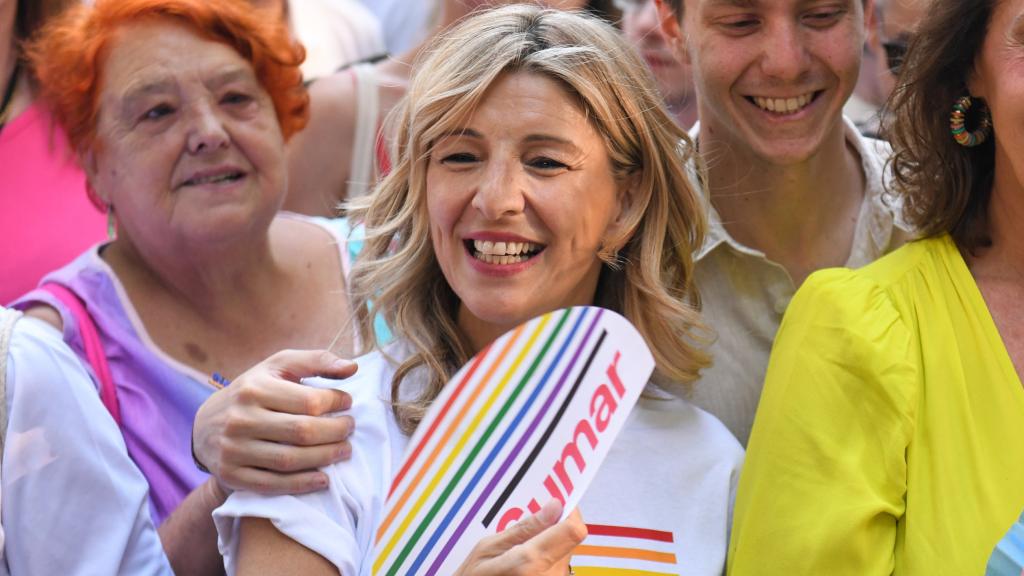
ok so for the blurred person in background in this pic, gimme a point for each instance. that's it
(46, 218)
(886, 45)
(641, 27)
(334, 33)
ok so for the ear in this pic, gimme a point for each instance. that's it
(89, 164)
(672, 29)
(871, 16)
(872, 25)
(977, 80)
(620, 229)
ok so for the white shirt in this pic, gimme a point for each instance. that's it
(664, 491)
(405, 23)
(73, 500)
(744, 294)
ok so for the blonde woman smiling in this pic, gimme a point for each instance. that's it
(535, 169)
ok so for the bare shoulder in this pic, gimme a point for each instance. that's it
(318, 156)
(47, 314)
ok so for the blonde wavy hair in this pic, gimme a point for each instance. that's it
(648, 269)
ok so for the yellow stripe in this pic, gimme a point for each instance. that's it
(452, 426)
(618, 552)
(594, 571)
(456, 451)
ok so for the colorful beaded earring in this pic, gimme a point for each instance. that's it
(960, 133)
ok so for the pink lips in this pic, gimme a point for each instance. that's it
(217, 175)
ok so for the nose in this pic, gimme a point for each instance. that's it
(206, 130)
(785, 56)
(640, 23)
(647, 17)
(500, 192)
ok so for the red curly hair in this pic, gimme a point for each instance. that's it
(68, 55)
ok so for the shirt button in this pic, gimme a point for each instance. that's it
(781, 304)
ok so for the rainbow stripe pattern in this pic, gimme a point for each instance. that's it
(529, 418)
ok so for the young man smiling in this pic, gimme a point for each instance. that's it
(792, 186)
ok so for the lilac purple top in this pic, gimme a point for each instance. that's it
(158, 395)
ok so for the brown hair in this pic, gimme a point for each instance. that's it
(68, 55)
(945, 187)
(651, 284)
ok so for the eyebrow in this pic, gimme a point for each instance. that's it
(137, 91)
(734, 3)
(231, 75)
(532, 138)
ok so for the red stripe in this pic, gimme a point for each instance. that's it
(627, 532)
(437, 421)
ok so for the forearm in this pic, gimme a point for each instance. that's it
(189, 536)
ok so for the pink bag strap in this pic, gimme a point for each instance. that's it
(93, 348)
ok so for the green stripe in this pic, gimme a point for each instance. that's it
(476, 449)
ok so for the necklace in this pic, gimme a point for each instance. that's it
(12, 82)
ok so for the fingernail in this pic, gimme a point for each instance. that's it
(344, 453)
(550, 512)
(341, 364)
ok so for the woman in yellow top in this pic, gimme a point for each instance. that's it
(890, 436)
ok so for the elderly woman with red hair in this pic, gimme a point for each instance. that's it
(178, 111)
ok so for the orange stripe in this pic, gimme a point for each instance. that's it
(598, 571)
(632, 553)
(447, 435)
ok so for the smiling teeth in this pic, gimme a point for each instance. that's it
(214, 179)
(783, 105)
(488, 248)
(492, 259)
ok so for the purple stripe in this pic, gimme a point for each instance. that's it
(436, 565)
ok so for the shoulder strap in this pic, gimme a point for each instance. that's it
(94, 352)
(7, 320)
(361, 173)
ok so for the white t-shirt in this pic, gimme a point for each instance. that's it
(73, 500)
(661, 501)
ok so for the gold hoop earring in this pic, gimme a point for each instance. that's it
(957, 120)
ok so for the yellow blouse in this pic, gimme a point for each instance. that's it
(890, 435)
